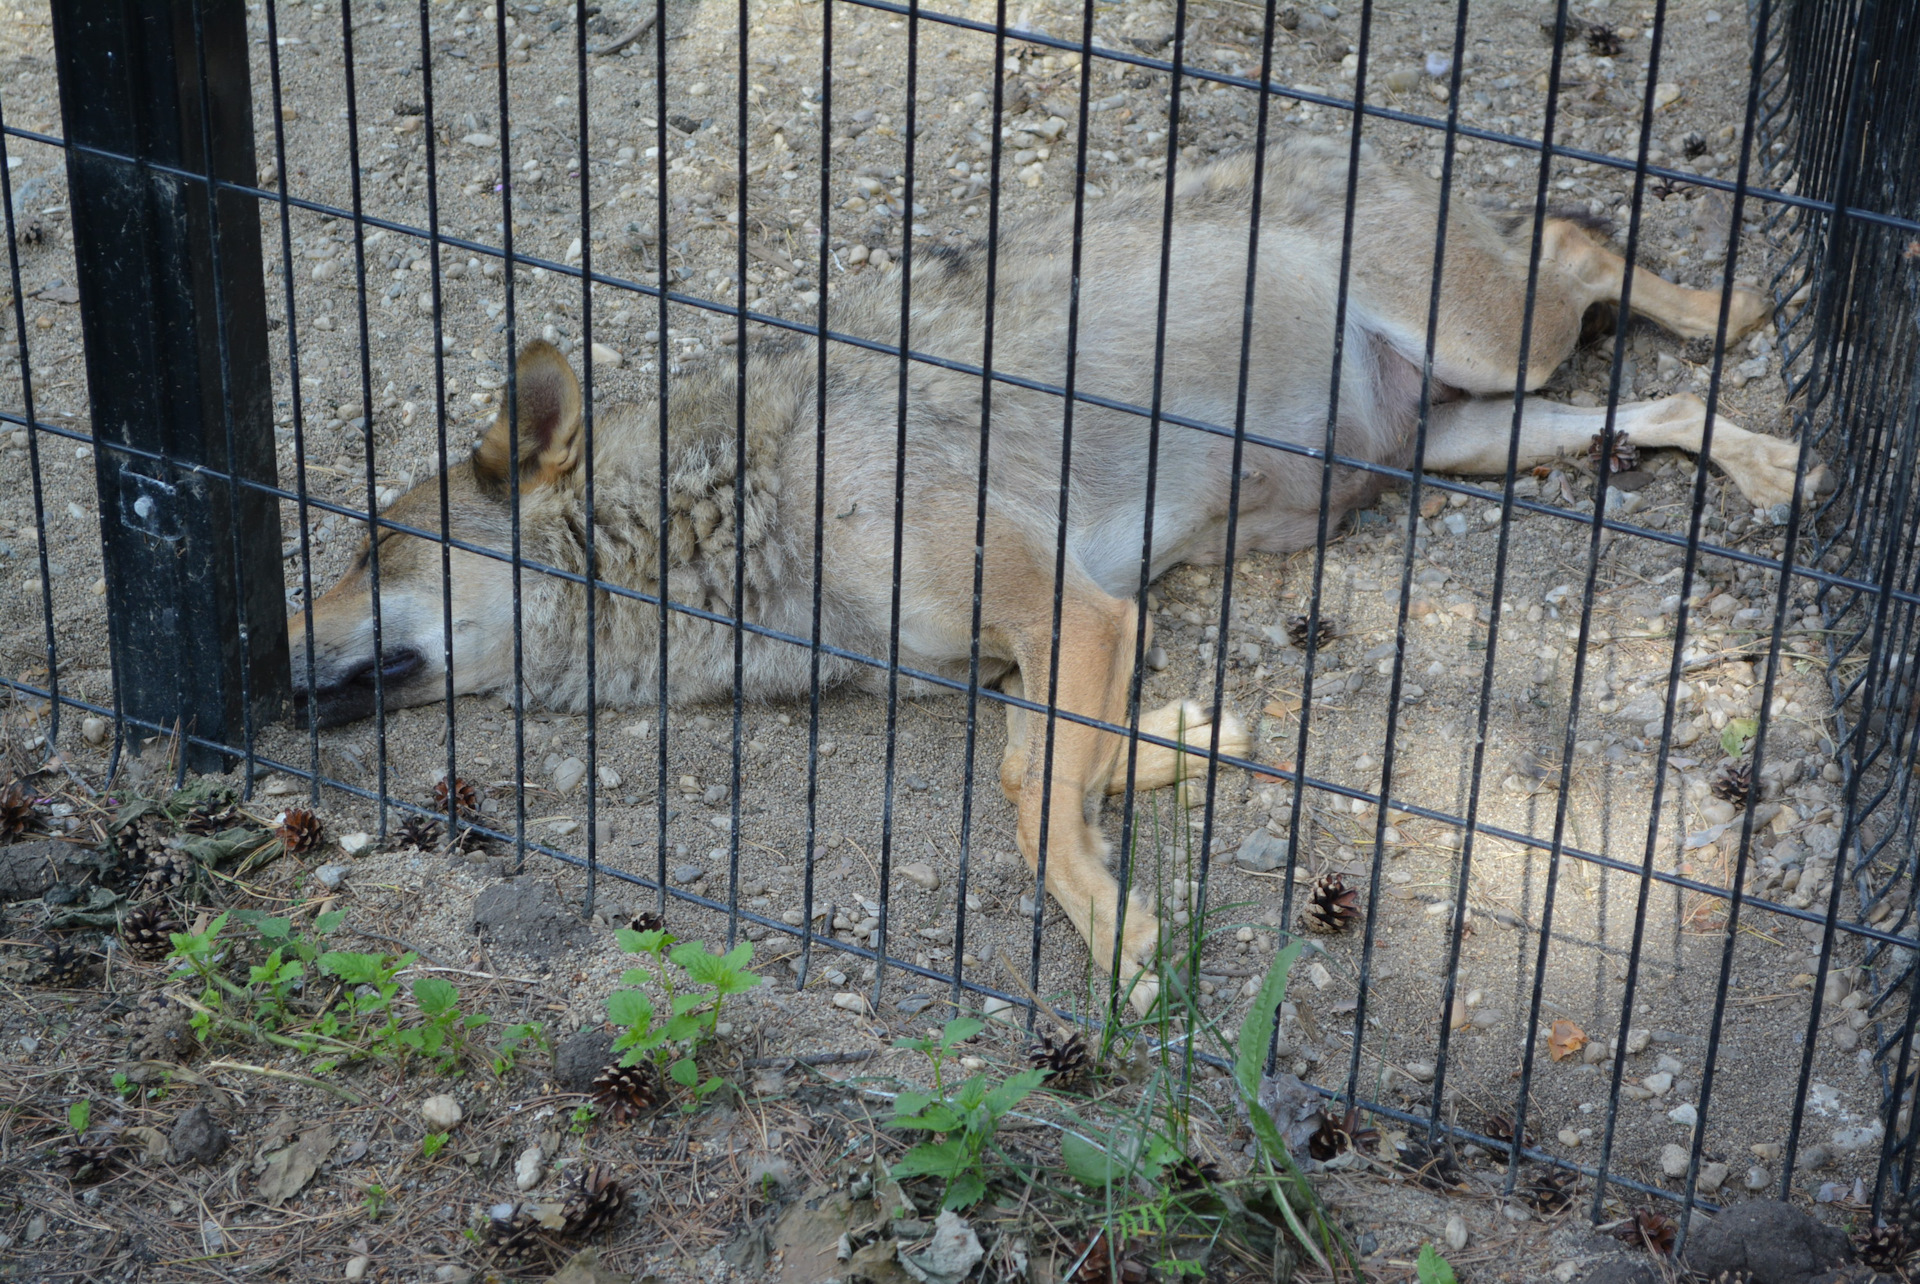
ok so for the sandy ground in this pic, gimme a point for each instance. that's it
(1629, 650)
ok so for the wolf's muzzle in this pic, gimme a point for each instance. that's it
(349, 696)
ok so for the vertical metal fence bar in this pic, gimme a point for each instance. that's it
(971, 747)
(878, 940)
(431, 140)
(821, 281)
(1422, 425)
(33, 455)
(741, 35)
(663, 242)
(587, 454)
(1495, 616)
(297, 410)
(366, 406)
(509, 272)
(176, 599)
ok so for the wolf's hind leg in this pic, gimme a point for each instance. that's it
(1692, 314)
(1470, 437)
(1184, 722)
(1096, 646)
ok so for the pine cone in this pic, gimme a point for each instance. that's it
(1193, 1173)
(167, 869)
(513, 1237)
(211, 816)
(63, 966)
(158, 1028)
(1332, 906)
(17, 813)
(593, 1202)
(1067, 1065)
(1650, 1230)
(298, 831)
(418, 831)
(87, 1162)
(626, 1092)
(1336, 1137)
(464, 794)
(1603, 41)
(1434, 1166)
(1626, 455)
(142, 836)
(647, 921)
(1297, 631)
(29, 233)
(1884, 1248)
(1734, 784)
(1096, 1263)
(1550, 1190)
(1500, 1128)
(147, 932)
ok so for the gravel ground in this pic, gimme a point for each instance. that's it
(1683, 233)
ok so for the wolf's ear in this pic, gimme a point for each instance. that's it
(551, 439)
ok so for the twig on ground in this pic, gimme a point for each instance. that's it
(347, 1095)
(809, 1059)
(633, 33)
(412, 949)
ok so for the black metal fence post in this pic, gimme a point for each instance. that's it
(158, 107)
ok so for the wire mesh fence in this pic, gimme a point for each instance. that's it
(904, 351)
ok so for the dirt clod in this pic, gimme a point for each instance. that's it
(1775, 1242)
(526, 915)
(198, 1135)
(580, 1057)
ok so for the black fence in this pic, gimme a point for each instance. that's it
(194, 363)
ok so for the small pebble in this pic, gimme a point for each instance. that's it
(1673, 1160)
(1439, 64)
(686, 873)
(1568, 1137)
(331, 876)
(94, 730)
(852, 1002)
(441, 1112)
(1456, 1232)
(923, 874)
(354, 844)
(1657, 1083)
(568, 775)
(1684, 1115)
(1757, 1178)
(529, 1168)
(1712, 1177)
(357, 1267)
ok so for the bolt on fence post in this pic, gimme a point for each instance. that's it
(157, 106)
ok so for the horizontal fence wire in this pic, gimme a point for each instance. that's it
(1826, 154)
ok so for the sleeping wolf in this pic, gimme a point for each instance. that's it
(1293, 313)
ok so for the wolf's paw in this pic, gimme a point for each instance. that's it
(1185, 722)
(1764, 467)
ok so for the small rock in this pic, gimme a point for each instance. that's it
(1665, 94)
(357, 1266)
(354, 844)
(1156, 658)
(580, 1057)
(1638, 1041)
(852, 1002)
(1439, 64)
(603, 355)
(441, 1112)
(687, 873)
(1684, 1115)
(1568, 1137)
(1712, 1177)
(331, 876)
(1673, 1160)
(94, 730)
(568, 775)
(529, 1168)
(198, 1135)
(1261, 851)
(950, 1256)
(1657, 1083)
(923, 874)
(1403, 80)
(1757, 1178)
(1456, 1232)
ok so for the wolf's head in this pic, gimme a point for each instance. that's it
(412, 658)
